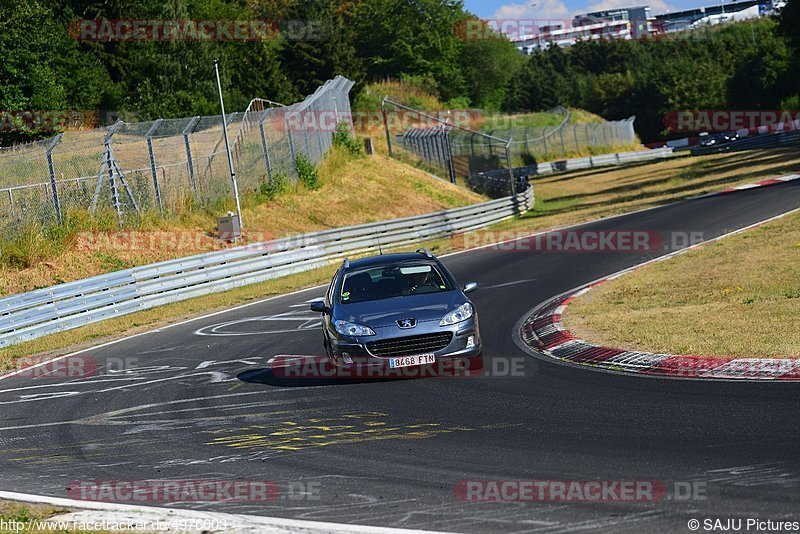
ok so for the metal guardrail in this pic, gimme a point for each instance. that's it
(769, 140)
(54, 309)
(585, 163)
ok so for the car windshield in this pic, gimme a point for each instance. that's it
(388, 281)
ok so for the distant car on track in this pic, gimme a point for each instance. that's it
(718, 139)
(398, 310)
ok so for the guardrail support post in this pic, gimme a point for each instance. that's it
(52, 170)
(153, 169)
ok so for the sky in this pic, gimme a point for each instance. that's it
(565, 9)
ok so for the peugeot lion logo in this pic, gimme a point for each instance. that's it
(407, 323)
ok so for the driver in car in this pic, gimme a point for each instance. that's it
(419, 282)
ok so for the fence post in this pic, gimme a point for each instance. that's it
(511, 171)
(51, 168)
(186, 131)
(386, 127)
(472, 146)
(575, 133)
(544, 139)
(561, 135)
(319, 134)
(305, 142)
(438, 149)
(153, 170)
(113, 184)
(448, 146)
(264, 146)
(291, 143)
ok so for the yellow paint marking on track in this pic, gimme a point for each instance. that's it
(344, 429)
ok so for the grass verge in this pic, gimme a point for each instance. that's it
(739, 297)
(12, 512)
(561, 200)
(570, 198)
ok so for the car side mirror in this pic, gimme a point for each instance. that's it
(470, 286)
(319, 307)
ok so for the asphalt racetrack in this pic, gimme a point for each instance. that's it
(195, 401)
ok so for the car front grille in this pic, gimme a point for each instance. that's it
(406, 346)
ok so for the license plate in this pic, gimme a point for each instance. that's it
(408, 361)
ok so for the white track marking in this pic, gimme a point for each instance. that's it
(237, 523)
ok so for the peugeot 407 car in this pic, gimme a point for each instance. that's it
(398, 310)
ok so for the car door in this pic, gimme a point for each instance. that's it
(330, 299)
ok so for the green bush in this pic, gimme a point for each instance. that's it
(459, 102)
(307, 172)
(272, 189)
(343, 139)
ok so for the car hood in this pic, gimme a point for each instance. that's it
(377, 313)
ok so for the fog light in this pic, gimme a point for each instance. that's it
(470, 342)
(346, 357)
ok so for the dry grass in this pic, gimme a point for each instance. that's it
(28, 513)
(736, 297)
(353, 192)
(411, 94)
(570, 198)
(560, 200)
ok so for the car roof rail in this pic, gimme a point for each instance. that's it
(426, 252)
(346, 264)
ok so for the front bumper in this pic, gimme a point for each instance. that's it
(465, 344)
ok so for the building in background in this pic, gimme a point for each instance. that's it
(637, 22)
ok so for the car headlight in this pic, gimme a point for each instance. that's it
(352, 329)
(462, 313)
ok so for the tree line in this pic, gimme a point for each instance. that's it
(743, 66)
(47, 65)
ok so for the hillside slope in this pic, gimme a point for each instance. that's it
(353, 191)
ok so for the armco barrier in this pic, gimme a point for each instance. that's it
(768, 140)
(54, 309)
(585, 163)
